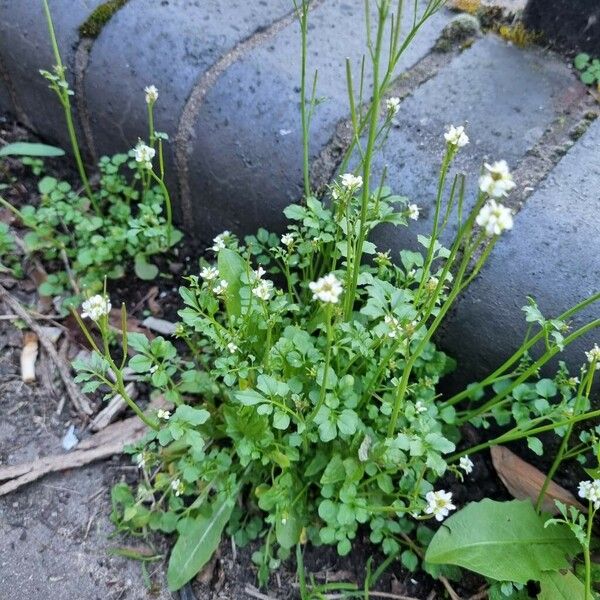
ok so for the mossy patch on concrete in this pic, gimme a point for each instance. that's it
(99, 18)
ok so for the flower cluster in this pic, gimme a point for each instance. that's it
(494, 218)
(144, 154)
(263, 288)
(151, 94)
(96, 307)
(392, 105)
(496, 180)
(220, 241)
(352, 182)
(327, 289)
(456, 136)
(593, 356)
(439, 504)
(413, 212)
(590, 490)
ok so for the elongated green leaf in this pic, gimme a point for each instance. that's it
(231, 267)
(30, 149)
(196, 545)
(556, 586)
(505, 541)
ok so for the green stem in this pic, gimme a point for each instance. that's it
(303, 19)
(560, 455)
(490, 379)
(548, 355)
(366, 166)
(586, 553)
(66, 103)
(323, 393)
(168, 205)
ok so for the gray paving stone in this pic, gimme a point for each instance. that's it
(506, 96)
(168, 44)
(25, 49)
(247, 150)
(552, 254)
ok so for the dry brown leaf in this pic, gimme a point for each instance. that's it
(524, 481)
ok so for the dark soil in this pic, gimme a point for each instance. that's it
(571, 25)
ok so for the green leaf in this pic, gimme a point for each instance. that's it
(503, 541)
(143, 269)
(582, 60)
(281, 420)
(535, 445)
(556, 586)
(231, 266)
(197, 543)
(193, 416)
(30, 149)
(249, 397)
(47, 184)
(288, 531)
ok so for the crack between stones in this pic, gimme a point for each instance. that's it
(82, 58)
(323, 167)
(568, 126)
(183, 138)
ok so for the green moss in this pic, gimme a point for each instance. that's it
(98, 19)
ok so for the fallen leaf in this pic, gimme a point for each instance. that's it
(524, 481)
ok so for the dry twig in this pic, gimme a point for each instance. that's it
(106, 443)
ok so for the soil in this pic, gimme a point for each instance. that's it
(56, 538)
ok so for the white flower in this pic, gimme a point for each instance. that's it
(439, 504)
(413, 212)
(393, 105)
(144, 154)
(351, 181)
(363, 450)
(209, 273)
(326, 289)
(141, 460)
(496, 180)
(165, 415)
(494, 218)
(151, 94)
(594, 356)
(432, 284)
(456, 136)
(219, 241)
(221, 287)
(287, 239)
(590, 490)
(263, 289)
(420, 407)
(232, 348)
(258, 273)
(96, 307)
(466, 464)
(394, 324)
(177, 486)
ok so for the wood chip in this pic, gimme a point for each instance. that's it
(29, 354)
(524, 481)
(159, 325)
(114, 408)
